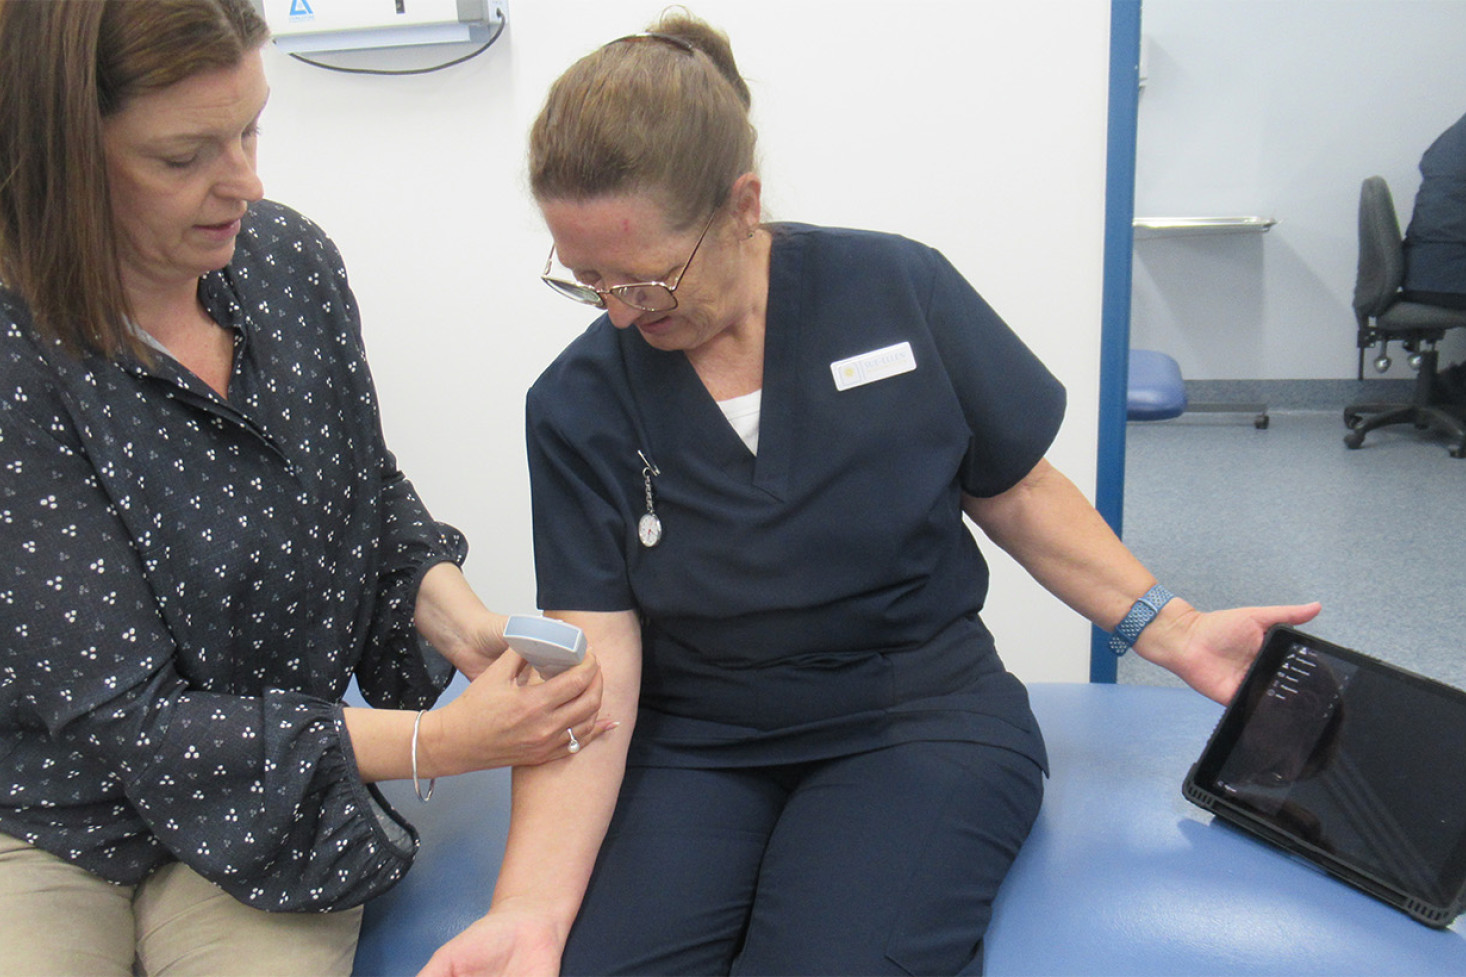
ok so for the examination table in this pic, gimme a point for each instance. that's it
(1120, 876)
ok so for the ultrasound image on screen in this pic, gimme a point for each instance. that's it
(1358, 765)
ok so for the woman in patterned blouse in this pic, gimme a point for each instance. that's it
(208, 538)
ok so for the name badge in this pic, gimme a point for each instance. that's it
(878, 364)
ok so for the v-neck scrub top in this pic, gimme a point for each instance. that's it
(822, 597)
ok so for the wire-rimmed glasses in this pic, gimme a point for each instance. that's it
(645, 296)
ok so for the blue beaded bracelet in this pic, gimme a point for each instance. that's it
(1142, 612)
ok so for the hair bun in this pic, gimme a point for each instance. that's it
(666, 117)
(710, 41)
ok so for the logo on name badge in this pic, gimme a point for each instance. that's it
(878, 364)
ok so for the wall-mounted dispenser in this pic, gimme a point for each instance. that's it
(312, 26)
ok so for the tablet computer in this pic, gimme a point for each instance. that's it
(1347, 762)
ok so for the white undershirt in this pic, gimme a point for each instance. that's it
(743, 414)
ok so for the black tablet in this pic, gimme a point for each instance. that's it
(1349, 763)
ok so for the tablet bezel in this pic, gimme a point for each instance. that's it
(1201, 788)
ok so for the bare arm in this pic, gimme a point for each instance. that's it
(560, 814)
(1050, 528)
(453, 619)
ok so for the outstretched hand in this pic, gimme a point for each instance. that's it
(1215, 649)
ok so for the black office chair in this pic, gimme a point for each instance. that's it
(1384, 317)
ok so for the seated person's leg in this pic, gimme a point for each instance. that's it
(675, 877)
(58, 919)
(888, 862)
(186, 925)
(1451, 384)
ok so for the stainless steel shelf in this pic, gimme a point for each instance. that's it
(1148, 227)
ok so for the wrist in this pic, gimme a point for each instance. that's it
(434, 745)
(556, 914)
(1164, 642)
(473, 639)
(455, 622)
(1139, 617)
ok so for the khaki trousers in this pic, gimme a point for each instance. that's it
(57, 919)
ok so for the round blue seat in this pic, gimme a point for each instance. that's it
(1155, 390)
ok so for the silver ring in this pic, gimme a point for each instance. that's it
(574, 743)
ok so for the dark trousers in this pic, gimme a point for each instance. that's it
(880, 863)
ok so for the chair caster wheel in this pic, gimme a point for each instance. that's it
(1260, 422)
(1458, 451)
(1352, 420)
(1354, 439)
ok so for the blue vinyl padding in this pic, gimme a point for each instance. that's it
(1121, 875)
(1156, 390)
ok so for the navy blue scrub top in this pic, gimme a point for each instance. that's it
(821, 598)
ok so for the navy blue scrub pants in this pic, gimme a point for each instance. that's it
(880, 863)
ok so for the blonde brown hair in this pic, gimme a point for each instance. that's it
(663, 113)
(65, 65)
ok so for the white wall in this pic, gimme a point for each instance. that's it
(1280, 108)
(977, 126)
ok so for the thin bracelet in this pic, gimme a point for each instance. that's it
(416, 784)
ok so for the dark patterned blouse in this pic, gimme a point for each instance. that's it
(190, 584)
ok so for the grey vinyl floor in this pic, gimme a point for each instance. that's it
(1228, 515)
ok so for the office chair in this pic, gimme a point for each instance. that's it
(1384, 317)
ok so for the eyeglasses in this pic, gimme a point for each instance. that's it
(646, 296)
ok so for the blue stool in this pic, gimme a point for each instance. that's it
(1120, 876)
(1155, 391)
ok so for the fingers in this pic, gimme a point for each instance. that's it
(532, 719)
(1288, 613)
(578, 687)
(1263, 618)
(1302, 613)
(510, 667)
(570, 682)
(567, 707)
(580, 717)
(578, 737)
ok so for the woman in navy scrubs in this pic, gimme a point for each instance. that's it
(749, 484)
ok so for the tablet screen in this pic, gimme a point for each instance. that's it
(1356, 762)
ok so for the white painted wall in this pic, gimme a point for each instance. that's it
(1280, 108)
(977, 126)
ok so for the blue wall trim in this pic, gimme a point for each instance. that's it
(1109, 491)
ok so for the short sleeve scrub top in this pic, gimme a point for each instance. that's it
(823, 597)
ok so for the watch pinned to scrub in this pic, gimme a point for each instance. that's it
(649, 526)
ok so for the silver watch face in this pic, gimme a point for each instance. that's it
(649, 530)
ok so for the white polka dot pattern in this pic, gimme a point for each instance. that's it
(192, 584)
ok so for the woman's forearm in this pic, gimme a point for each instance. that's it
(561, 810)
(1052, 530)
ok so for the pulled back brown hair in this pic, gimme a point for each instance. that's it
(663, 114)
(66, 65)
